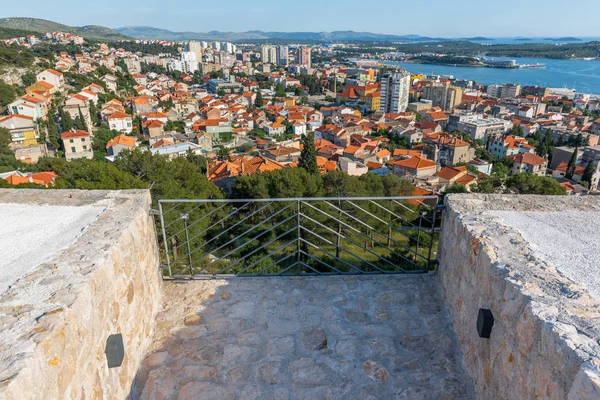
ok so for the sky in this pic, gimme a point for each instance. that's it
(441, 18)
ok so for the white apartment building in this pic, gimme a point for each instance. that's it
(282, 56)
(395, 89)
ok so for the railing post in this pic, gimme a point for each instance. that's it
(185, 217)
(298, 248)
(164, 232)
(435, 208)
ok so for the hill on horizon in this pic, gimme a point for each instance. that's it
(38, 25)
(148, 32)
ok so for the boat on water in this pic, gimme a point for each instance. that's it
(532, 66)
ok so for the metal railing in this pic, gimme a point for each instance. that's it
(299, 236)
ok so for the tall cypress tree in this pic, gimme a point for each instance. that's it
(571, 165)
(53, 135)
(259, 102)
(65, 120)
(308, 156)
(588, 173)
(82, 124)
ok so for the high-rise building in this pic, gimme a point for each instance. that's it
(196, 48)
(504, 91)
(443, 95)
(217, 46)
(268, 54)
(189, 62)
(395, 87)
(282, 55)
(304, 56)
(535, 91)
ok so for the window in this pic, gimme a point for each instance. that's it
(72, 149)
(83, 139)
(70, 140)
(84, 147)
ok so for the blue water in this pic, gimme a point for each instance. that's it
(581, 75)
(515, 40)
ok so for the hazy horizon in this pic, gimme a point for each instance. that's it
(437, 18)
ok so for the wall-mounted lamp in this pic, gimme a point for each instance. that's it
(485, 322)
(115, 351)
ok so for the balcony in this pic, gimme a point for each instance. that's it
(332, 320)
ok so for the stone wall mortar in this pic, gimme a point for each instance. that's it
(544, 340)
(107, 282)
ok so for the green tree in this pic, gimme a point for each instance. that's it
(198, 160)
(101, 137)
(28, 78)
(308, 156)
(501, 168)
(487, 184)
(393, 185)
(259, 102)
(470, 169)
(279, 91)
(571, 165)
(93, 113)
(66, 121)
(89, 175)
(454, 188)
(523, 183)
(80, 121)
(53, 134)
(223, 154)
(516, 130)
(5, 141)
(588, 173)
(7, 94)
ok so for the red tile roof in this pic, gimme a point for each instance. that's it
(74, 134)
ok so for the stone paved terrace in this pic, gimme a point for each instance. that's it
(380, 337)
(531, 260)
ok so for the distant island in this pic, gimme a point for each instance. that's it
(523, 40)
(564, 39)
(454, 61)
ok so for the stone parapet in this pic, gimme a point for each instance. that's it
(57, 317)
(544, 342)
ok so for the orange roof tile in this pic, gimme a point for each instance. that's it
(122, 140)
(528, 158)
(415, 162)
(74, 134)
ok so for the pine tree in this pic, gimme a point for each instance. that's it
(223, 154)
(571, 166)
(259, 102)
(65, 120)
(308, 156)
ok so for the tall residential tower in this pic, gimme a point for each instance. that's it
(304, 56)
(395, 88)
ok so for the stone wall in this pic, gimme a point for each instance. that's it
(55, 320)
(544, 343)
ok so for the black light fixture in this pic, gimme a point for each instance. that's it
(115, 350)
(485, 322)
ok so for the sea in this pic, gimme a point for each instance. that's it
(581, 75)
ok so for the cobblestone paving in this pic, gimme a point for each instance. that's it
(378, 337)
